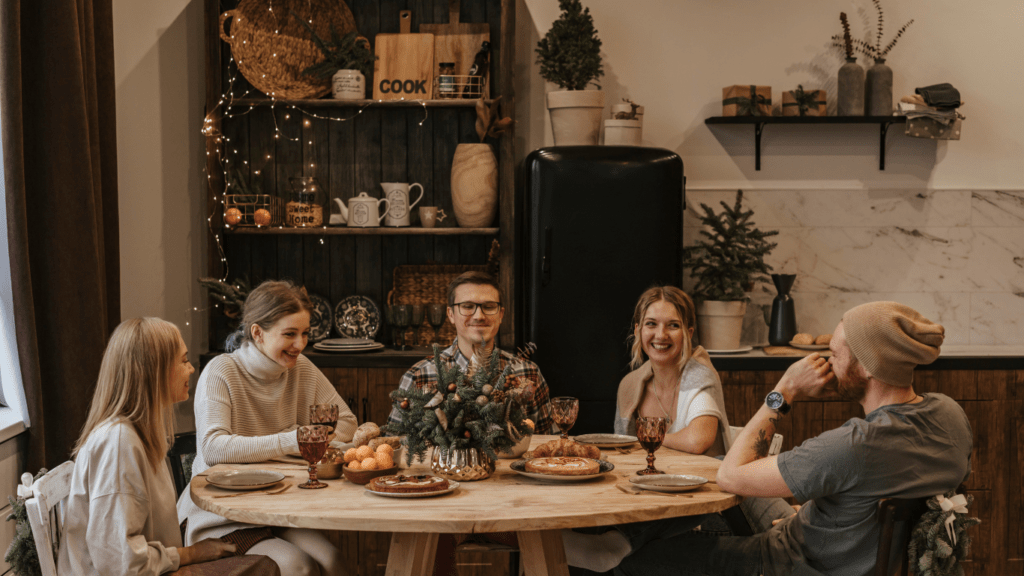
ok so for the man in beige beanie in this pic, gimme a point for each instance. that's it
(908, 445)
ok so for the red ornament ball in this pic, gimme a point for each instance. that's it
(467, 434)
(262, 217)
(452, 387)
(232, 216)
(404, 404)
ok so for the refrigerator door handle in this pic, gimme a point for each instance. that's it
(545, 262)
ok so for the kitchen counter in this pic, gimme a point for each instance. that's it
(952, 357)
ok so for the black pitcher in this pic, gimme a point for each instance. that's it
(783, 324)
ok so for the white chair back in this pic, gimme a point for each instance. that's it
(773, 449)
(45, 506)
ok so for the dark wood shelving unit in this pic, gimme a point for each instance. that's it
(759, 123)
(332, 103)
(379, 231)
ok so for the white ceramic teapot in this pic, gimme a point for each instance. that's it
(363, 211)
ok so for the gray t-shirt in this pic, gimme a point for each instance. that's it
(897, 451)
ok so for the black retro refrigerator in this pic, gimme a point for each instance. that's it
(601, 224)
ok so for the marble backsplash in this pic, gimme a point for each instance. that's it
(957, 256)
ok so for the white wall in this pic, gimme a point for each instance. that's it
(674, 57)
(158, 64)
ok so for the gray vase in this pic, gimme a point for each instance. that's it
(878, 90)
(851, 89)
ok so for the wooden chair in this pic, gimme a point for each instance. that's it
(180, 458)
(44, 504)
(892, 543)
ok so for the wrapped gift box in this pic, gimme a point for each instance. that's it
(736, 100)
(790, 106)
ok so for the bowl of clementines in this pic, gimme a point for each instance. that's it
(363, 464)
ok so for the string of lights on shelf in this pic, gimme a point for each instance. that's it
(227, 102)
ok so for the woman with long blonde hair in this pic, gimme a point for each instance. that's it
(120, 516)
(671, 378)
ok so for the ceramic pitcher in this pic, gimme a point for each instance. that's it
(397, 194)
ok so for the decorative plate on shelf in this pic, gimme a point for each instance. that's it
(519, 466)
(357, 317)
(320, 319)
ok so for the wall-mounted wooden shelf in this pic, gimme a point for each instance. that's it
(759, 122)
(331, 103)
(380, 231)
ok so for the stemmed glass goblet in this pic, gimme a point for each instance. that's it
(650, 431)
(436, 317)
(399, 316)
(312, 445)
(326, 414)
(416, 311)
(564, 410)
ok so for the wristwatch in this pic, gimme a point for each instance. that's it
(777, 402)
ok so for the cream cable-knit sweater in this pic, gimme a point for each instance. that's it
(247, 409)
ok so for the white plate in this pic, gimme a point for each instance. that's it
(452, 485)
(320, 348)
(606, 440)
(520, 467)
(736, 351)
(668, 482)
(809, 346)
(245, 479)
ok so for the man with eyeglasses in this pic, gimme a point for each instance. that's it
(474, 307)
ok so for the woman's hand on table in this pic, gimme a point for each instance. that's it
(205, 551)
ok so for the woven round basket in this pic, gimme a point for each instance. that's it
(271, 48)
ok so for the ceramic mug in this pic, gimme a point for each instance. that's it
(397, 194)
(429, 216)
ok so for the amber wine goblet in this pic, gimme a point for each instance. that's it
(312, 445)
(650, 431)
(564, 410)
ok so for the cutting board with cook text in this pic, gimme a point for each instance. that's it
(458, 42)
(404, 66)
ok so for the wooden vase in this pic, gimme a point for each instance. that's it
(474, 185)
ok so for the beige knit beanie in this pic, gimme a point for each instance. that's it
(890, 339)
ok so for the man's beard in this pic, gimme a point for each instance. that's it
(853, 386)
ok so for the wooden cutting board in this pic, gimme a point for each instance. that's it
(404, 66)
(458, 42)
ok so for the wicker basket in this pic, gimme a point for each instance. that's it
(271, 48)
(427, 284)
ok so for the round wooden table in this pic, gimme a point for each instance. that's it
(506, 502)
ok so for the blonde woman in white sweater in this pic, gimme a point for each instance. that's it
(248, 404)
(120, 516)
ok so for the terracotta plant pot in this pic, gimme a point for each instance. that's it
(576, 116)
(720, 324)
(474, 185)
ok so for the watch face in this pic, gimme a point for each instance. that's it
(774, 400)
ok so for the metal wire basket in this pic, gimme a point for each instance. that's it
(249, 204)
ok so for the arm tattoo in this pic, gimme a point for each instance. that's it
(763, 442)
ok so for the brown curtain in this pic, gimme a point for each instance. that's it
(60, 166)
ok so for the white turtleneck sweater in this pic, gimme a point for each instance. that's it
(247, 409)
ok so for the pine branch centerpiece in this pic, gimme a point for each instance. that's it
(730, 259)
(479, 408)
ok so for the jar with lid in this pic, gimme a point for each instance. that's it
(446, 88)
(305, 208)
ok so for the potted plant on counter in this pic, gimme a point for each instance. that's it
(570, 56)
(726, 263)
(347, 61)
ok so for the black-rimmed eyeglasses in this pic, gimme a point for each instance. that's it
(469, 308)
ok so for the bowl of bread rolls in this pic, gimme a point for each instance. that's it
(810, 341)
(371, 456)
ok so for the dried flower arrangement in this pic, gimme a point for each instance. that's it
(487, 122)
(348, 52)
(875, 51)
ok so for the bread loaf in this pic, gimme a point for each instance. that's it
(560, 447)
(824, 339)
(367, 431)
(803, 339)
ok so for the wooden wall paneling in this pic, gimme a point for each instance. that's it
(348, 543)
(367, 16)
(504, 70)
(380, 382)
(995, 437)
(446, 135)
(373, 552)
(420, 165)
(351, 386)
(367, 179)
(957, 384)
(473, 249)
(289, 147)
(262, 158)
(492, 9)
(1015, 457)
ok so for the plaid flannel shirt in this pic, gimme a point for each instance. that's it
(539, 409)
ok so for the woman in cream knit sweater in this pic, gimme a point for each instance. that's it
(248, 404)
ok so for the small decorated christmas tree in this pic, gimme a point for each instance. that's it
(570, 53)
(480, 408)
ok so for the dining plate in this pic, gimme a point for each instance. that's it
(359, 347)
(245, 479)
(520, 467)
(606, 440)
(668, 482)
(320, 348)
(320, 318)
(346, 342)
(452, 485)
(357, 317)
(733, 351)
(809, 346)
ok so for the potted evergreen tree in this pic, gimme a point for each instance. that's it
(726, 263)
(570, 56)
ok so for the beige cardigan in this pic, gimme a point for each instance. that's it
(698, 373)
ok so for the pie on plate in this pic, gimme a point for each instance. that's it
(402, 484)
(563, 466)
